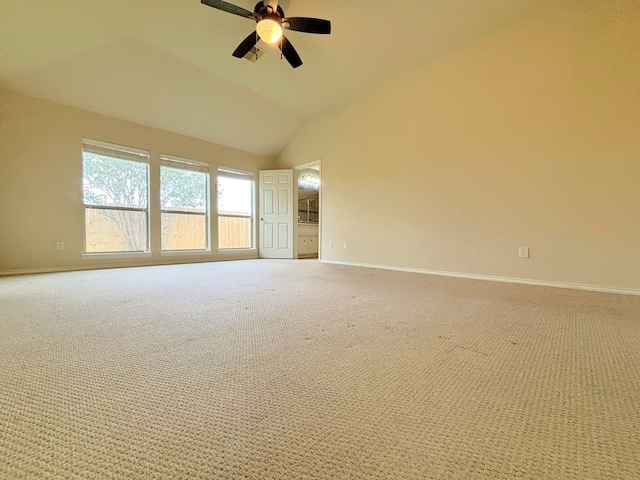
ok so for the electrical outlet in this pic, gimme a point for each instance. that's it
(523, 252)
(330, 244)
(59, 245)
(344, 245)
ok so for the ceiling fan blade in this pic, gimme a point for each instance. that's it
(246, 45)
(229, 8)
(290, 53)
(307, 25)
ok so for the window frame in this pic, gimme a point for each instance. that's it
(179, 163)
(244, 175)
(121, 152)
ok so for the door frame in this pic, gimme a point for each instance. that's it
(296, 169)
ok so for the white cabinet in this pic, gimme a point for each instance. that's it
(307, 240)
(303, 245)
(312, 245)
(307, 245)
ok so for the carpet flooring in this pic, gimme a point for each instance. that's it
(299, 370)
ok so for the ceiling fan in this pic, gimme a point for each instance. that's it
(271, 21)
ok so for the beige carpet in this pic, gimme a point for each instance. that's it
(299, 370)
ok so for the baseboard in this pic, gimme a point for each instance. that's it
(33, 271)
(471, 276)
(167, 262)
(490, 278)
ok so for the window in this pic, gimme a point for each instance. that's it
(184, 201)
(115, 185)
(235, 209)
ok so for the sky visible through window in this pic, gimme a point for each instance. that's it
(234, 195)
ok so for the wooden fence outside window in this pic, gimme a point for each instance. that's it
(185, 232)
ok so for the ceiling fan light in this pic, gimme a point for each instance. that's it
(269, 30)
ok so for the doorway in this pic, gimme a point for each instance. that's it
(308, 201)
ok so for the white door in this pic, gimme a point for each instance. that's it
(276, 213)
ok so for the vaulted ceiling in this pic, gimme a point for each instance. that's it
(168, 63)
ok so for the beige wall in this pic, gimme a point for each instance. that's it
(530, 137)
(41, 181)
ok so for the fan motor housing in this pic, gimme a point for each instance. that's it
(263, 11)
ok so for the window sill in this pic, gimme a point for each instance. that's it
(232, 251)
(179, 253)
(106, 255)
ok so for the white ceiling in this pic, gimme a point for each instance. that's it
(168, 63)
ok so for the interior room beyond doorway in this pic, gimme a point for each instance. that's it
(308, 201)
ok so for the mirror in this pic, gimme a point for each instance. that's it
(308, 196)
(308, 210)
